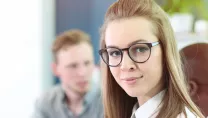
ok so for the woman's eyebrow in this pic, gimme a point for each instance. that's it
(136, 41)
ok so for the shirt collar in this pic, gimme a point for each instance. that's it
(87, 98)
(150, 107)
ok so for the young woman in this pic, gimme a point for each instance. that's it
(142, 74)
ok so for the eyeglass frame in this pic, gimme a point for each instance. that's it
(150, 45)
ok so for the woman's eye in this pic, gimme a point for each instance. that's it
(115, 53)
(141, 49)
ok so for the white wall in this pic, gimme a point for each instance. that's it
(26, 33)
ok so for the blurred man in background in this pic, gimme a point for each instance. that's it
(76, 96)
(196, 68)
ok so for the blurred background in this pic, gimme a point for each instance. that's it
(28, 28)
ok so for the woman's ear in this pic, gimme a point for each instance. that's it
(193, 88)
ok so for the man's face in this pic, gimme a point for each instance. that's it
(74, 67)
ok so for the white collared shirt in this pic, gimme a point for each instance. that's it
(151, 108)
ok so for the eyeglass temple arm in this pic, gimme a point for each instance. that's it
(155, 43)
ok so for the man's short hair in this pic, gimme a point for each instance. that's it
(69, 38)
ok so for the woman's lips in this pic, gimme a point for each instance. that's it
(131, 80)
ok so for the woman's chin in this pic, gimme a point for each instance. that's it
(134, 93)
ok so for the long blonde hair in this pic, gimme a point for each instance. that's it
(117, 104)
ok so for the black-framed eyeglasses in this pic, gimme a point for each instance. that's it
(138, 52)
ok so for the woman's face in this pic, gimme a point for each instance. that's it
(137, 79)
